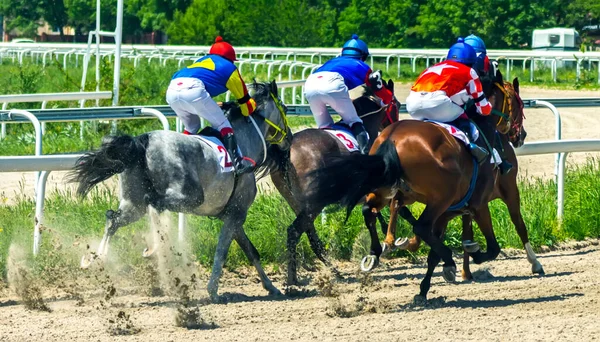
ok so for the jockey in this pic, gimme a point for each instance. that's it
(192, 88)
(441, 92)
(330, 83)
(482, 66)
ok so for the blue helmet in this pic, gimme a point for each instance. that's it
(355, 48)
(479, 46)
(462, 53)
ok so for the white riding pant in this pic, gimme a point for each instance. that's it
(436, 106)
(328, 88)
(190, 101)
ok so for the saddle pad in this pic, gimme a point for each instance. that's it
(347, 139)
(460, 135)
(216, 144)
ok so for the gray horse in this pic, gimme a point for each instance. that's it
(166, 170)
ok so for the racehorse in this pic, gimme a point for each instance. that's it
(415, 161)
(171, 171)
(505, 189)
(309, 150)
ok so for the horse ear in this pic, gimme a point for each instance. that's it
(516, 84)
(274, 87)
(390, 85)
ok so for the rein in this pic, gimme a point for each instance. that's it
(278, 130)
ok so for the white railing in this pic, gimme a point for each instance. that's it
(44, 98)
(411, 56)
(563, 148)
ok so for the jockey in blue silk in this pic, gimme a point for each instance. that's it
(482, 66)
(330, 83)
(191, 91)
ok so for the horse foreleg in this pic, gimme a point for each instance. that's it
(513, 202)
(252, 255)
(484, 221)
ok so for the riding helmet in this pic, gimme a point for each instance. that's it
(479, 46)
(355, 48)
(462, 53)
(223, 49)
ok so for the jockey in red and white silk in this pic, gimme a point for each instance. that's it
(192, 88)
(442, 90)
(330, 83)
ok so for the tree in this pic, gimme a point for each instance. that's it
(21, 15)
(54, 12)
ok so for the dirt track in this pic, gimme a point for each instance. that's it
(506, 304)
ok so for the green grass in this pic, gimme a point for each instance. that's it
(71, 224)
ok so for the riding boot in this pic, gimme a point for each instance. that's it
(504, 166)
(241, 164)
(476, 150)
(362, 137)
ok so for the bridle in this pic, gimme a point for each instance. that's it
(514, 125)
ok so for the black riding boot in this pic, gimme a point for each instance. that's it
(241, 165)
(504, 166)
(480, 153)
(362, 137)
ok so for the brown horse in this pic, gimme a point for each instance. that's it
(308, 152)
(505, 189)
(415, 161)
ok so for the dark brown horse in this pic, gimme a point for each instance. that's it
(308, 152)
(415, 161)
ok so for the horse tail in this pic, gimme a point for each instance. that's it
(115, 155)
(347, 179)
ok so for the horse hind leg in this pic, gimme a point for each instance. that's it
(127, 213)
(484, 221)
(294, 231)
(155, 222)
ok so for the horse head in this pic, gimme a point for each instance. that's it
(271, 109)
(505, 96)
(369, 108)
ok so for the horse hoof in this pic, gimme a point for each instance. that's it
(401, 243)
(420, 300)
(470, 246)
(148, 252)
(449, 273)
(275, 292)
(86, 261)
(537, 268)
(386, 249)
(368, 263)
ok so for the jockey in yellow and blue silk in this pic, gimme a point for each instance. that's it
(191, 91)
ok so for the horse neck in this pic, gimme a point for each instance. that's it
(248, 138)
(372, 124)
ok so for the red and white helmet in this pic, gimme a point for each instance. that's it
(223, 49)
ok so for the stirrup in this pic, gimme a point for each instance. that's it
(478, 152)
(244, 165)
